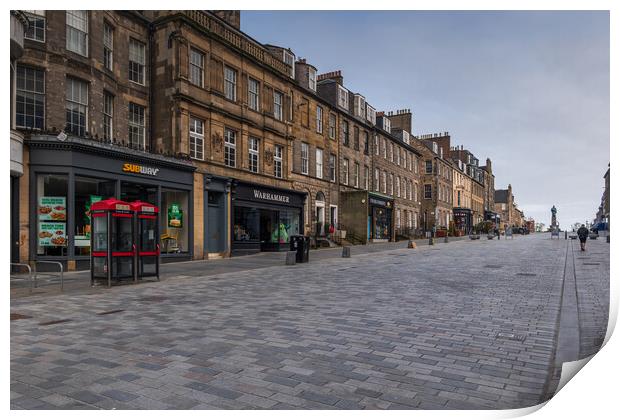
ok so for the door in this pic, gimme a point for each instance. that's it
(216, 225)
(320, 218)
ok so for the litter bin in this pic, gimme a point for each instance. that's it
(301, 245)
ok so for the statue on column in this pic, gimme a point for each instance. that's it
(554, 221)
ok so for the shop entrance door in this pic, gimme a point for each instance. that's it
(216, 225)
(270, 236)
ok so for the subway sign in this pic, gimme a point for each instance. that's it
(139, 169)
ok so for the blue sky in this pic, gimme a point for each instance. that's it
(530, 90)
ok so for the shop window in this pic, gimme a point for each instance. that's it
(174, 221)
(77, 31)
(87, 192)
(52, 215)
(30, 97)
(289, 224)
(76, 106)
(246, 227)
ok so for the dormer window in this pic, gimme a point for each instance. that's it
(359, 106)
(343, 97)
(435, 148)
(289, 58)
(371, 115)
(312, 79)
(387, 124)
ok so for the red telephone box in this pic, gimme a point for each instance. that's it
(147, 233)
(113, 246)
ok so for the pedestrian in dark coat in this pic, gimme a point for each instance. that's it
(583, 232)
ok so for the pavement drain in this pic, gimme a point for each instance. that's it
(115, 311)
(527, 274)
(511, 336)
(16, 316)
(54, 322)
(152, 299)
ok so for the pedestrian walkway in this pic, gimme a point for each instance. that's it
(463, 325)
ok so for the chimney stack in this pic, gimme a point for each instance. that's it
(332, 75)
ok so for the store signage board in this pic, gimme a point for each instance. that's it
(123, 207)
(268, 196)
(52, 208)
(52, 234)
(139, 169)
(378, 202)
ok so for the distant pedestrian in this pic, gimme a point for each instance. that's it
(583, 232)
(497, 233)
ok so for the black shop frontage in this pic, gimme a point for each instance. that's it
(67, 177)
(264, 218)
(380, 218)
(463, 220)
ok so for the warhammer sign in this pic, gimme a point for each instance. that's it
(139, 169)
(271, 196)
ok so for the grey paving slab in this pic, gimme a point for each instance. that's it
(388, 328)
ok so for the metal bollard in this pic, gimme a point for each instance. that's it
(566, 235)
(291, 257)
(608, 238)
(346, 252)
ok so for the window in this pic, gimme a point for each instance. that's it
(319, 119)
(77, 31)
(415, 192)
(376, 145)
(383, 148)
(253, 160)
(371, 115)
(137, 61)
(136, 125)
(230, 148)
(108, 46)
(345, 171)
(366, 145)
(366, 177)
(196, 138)
(230, 83)
(376, 179)
(77, 106)
(397, 151)
(332, 168)
(359, 106)
(304, 158)
(36, 30)
(356, 138)
(196, 67)
(277, 161)
(108, 116)
(397, 186)
(428, 191)
(278, 98)
(319, 163)
(384, 182)
(52, 234)
(332, 126)
(253, 94)
(398, 218)
(356, 175)
(391, 184)
(391, 152)
(289, 58)
(429, 166)
(30, 98)
(345, 132)
(343, 97)
(312, 79)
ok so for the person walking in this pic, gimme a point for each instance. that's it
(583, 232)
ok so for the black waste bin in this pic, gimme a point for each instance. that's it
(301, 245)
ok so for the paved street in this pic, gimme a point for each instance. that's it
(468, 324)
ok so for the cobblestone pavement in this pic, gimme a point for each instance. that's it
(398, 329)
